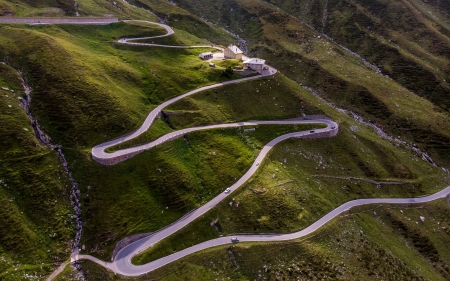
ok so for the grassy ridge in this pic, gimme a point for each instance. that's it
(35, 218)
(267, 99)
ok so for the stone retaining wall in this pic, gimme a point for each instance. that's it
(328, 134)
(127, 241)
(118, 159)
(73, 20)
(115, 160)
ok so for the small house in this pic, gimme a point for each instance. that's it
(206, 56)
(232, 52)
(255, 64)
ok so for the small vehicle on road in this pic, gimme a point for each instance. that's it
(333, 127)
(227, 191)
(312, 132)
(234, 240)
(257, 164)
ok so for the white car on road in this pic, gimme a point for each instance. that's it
(227, 191)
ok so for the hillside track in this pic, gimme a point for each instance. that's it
(122, 261)
(121, 264)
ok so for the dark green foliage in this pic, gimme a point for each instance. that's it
(228, 72)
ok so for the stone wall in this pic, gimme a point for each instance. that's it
(73, 20)
(118, 159)
(327, 134)
(115, 160)
(127, 241)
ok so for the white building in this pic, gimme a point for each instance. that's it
(206, 56)
(254, 64)
(232, 52)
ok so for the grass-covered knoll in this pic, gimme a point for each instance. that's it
(275, 97)
(370, 243)
(36, 216)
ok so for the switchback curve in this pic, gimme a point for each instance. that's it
(122, 261)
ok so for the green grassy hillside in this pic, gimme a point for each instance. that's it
(87, 88)
(370, 243)
(418, 69)
(302, 180)
(58, 8)
(101, 80)
(36, 216)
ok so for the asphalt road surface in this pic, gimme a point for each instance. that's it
(122, 261)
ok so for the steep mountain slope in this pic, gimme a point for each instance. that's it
(418, 66)
(88, 89)
(36, 221)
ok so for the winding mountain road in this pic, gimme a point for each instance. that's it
(122, 261)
